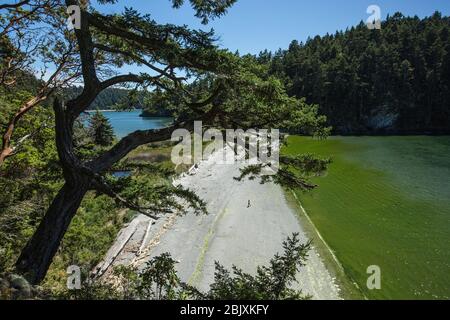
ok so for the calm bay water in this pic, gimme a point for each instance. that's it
(385, 201)
(125, 123)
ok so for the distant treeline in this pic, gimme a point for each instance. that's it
(122, 99)
(396, 79)
(106, 100)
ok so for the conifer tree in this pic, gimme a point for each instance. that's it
(101, 130)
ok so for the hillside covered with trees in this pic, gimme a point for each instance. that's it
(106, 100)
(388, 81)
(393, 80)
(126, 99)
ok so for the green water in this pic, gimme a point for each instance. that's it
(385, 201)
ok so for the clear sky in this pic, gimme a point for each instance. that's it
(254, 25)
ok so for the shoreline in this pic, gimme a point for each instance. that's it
(112, 110)
(350, 288)
(255, 234)
(90, 111)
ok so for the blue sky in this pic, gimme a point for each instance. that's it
(254, 25)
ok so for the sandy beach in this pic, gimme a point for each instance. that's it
(232, 233)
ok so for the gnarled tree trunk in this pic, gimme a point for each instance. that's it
(38, 254)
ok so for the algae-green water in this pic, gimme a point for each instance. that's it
(385, 201)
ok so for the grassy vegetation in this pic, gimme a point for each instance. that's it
(90, 235)
(385, 201)
(161, 153)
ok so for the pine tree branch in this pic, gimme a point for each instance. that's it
(14, 5)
